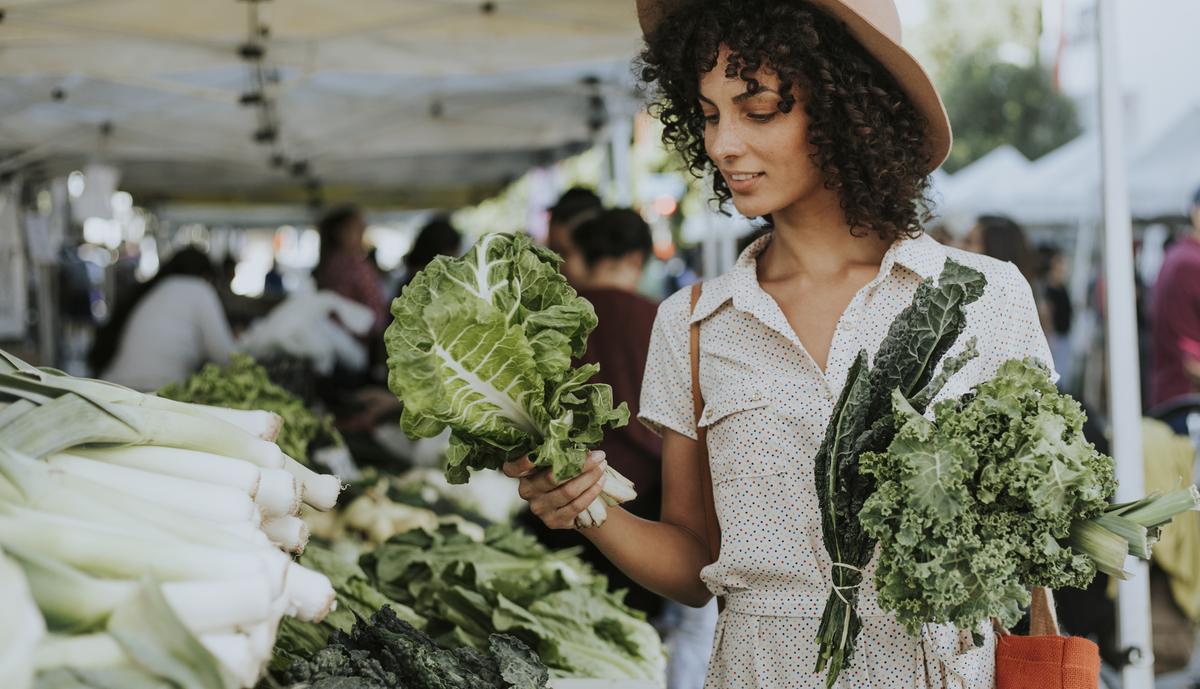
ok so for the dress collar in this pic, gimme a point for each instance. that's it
(922, 255)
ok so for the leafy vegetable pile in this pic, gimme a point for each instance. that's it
(385, 652)
(999, 493)
(150, 533)
(357, 599)
(511, 584)
(243, 384)
(483, 344)
(915, 344)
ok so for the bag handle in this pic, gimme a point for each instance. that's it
(712, 529)
(1043, 617)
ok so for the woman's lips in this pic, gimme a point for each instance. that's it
(742, 183)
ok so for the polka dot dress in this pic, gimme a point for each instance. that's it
(766, 407)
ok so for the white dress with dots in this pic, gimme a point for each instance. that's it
(766, 407)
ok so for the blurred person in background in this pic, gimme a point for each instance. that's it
(575, 206)
(168, 327)
(1002, 238)
(438, 237)
(1058, 312)
(1175, 325)
(613, 248)
(343, 266)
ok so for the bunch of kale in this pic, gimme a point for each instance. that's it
(386, 652)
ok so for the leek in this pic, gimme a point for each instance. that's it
(202, 500)
(279, 494)
(1105, 548)
(73, 601)
(38, 486)
(320, 490)
(194, 465)
(289, 533)
(125, 553)
(22, 630)
(310, 595)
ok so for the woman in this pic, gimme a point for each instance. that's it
(343, 266)
(810, 116)
(168, 328)
(613, 248)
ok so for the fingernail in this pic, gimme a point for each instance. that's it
(599, 455)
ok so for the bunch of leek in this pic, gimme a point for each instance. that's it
(151, 533)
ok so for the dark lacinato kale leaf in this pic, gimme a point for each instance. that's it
(386, 652)
(519, 667)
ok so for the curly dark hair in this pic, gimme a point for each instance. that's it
(869, 139)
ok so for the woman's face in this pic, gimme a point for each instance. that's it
(762, 153)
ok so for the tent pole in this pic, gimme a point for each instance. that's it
(1133, 598)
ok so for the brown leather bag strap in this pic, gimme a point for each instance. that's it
(712, 529)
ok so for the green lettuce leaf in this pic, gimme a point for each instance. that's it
(483, 345)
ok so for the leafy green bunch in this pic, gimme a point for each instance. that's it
(483, 344)
(974, 507)
(510, 584)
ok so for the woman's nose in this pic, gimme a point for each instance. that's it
(725, 141)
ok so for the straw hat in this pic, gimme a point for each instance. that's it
(875, 24)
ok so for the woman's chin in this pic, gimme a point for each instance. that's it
(749, 207)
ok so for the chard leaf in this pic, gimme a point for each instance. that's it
(483, 345)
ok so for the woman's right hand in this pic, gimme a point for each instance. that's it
(558, 504)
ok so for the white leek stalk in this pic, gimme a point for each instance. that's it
(236, 654)
(124, 553)
(75, 601)
(37, 486)
(193, 465)
(259, 423)
(289, 533)
(84, 651)
(203, 500)
(278, 494)
(310, 595)
(22, 629)
(320, 490)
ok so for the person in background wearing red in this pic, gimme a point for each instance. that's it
(1175, 324)
(576, 205)
(343, 266)
(612, 249)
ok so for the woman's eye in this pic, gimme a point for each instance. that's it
(763, 116)
(710, 119)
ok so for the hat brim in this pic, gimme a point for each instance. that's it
(908, 73)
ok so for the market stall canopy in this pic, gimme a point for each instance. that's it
(420, 102)
(1165, 174)
(976, 189)
(1063, 186)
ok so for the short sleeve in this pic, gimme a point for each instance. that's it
(1023, 334)
(666, 399)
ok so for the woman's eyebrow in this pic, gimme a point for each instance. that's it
(701, 97)
(753, 94)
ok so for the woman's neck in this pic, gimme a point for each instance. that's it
(813, 239)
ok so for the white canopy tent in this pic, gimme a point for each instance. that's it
(421, 102)
(1063, 187)
(1164, 174)
(976, 189)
